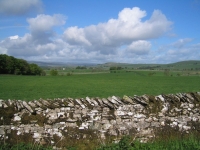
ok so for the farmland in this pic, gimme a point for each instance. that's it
(97, 84)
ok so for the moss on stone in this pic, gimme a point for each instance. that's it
(6, 115)
(40, 119)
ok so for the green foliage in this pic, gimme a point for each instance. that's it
(190, 143)
(81, 67)
(11, 65)
(69, 74)
(116, 68)
(53, 72)
(166, 72)
(126, 143)
(35, 69)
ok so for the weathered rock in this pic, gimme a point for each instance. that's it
(141, 115)
(80, 103)
(141, 100)
(160, 97)
(27, 107)
(2, 132)
(127, 99)
(17, 118)
(105, 101)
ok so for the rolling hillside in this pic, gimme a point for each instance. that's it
(183, 65)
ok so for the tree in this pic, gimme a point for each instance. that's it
(81, 67)
(166, 72)
(113, 68)
(12, 65)
(35, 70)
(53, 72)
(3, 63)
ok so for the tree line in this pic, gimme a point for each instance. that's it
(116, 68)
(12, 65)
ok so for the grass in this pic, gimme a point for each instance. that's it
(95, 85)
(126, 143)
(190, 143)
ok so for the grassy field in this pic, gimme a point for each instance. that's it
(95, 85)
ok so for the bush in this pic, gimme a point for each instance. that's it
(53, 72)
(69, 74)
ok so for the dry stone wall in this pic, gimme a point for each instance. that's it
(51, 121)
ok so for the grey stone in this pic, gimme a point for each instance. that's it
(2, 132)
(33, 105)
(17, 118)
(111, 116)
(127, 99)
(80, 103)
(160, 97)
(94, 102)
(112, 100)
(155, 124)
(27, 107)
(118, 100)
(140, 100)
(38, 103)
(105, 101)
(89, 101)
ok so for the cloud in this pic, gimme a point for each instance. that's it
(3, 50)
(181, 42)
(139, 47)
(41, 27)
(182, 49)
(46, 22)
(127, 38)
(76, 36)
(14, 37)
(38, 41)
(19, 7)
(128, 27)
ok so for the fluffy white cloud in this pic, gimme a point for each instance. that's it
(139, 47)
(124, 39)
(3, 50)
(46, 22)
(14, 37)
(38, 42)
(41, 27)
(19, 7)
(128, 27)
(76, 36)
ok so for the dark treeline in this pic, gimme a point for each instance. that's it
(12, 65)
(116, 68)
(81, 67)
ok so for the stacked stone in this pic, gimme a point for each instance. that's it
(138, 116)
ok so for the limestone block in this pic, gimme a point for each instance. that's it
(17, 118)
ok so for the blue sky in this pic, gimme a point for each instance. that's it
(99, 31)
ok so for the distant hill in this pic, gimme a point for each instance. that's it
(60, 64)
(182, 65)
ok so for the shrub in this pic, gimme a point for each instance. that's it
(53, 72)
(69, 74)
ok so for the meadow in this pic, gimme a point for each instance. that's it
(96, 85)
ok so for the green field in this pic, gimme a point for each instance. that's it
(95, 85)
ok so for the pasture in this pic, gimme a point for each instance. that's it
(95, 85)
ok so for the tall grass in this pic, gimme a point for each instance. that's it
(190, 143)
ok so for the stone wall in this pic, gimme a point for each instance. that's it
(51, 121)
